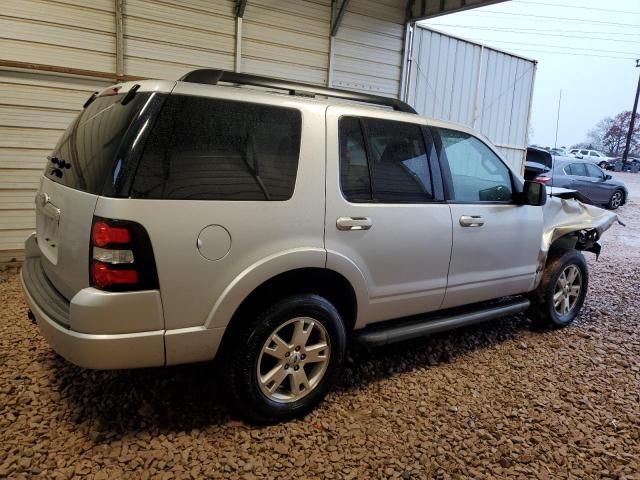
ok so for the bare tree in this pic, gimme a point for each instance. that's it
(610, 135)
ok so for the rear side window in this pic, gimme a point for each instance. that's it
(391, 168)
(212, 149)
(477, 174)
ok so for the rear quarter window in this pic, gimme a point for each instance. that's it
(85, 155)
(213, 149)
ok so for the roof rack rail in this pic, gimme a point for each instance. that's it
(212, 77)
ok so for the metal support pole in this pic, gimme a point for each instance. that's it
(119, 7)
(555, 145)
(625, 155)
(238, 63)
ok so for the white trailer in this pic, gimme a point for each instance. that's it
(450, 78)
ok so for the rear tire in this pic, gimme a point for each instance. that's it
(281, 365)
(561, 293)
(616, 200)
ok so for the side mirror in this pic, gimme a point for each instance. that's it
(607, 177)
(533, 193)
(579, 155)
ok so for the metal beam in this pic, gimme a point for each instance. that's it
(421, 10)
(338, 19)
(240, 6)
(67, 71)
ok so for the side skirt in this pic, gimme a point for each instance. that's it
(422, 325)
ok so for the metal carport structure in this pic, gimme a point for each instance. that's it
(55, 53)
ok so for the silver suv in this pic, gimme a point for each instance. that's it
(216, 217)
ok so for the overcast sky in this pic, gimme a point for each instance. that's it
(596, 72)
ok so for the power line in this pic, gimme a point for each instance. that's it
(578, 6)
(569, 54)
(541, 33)
(555, 46)
(564, 19)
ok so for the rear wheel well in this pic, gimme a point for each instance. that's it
(326, 283)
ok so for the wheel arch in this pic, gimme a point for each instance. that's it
(321, 281)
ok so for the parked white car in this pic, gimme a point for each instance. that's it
(594, 156)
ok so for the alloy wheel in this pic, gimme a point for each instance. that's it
(567, 291)
(616, 200)
(293, 360)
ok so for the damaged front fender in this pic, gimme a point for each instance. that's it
(570, 222)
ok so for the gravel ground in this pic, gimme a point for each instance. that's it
(498, 400)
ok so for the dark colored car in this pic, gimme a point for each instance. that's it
(588, 179)
(628, 165)
(538, 161)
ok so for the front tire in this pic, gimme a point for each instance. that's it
(281, 365)
(561, 293)
(616, 200)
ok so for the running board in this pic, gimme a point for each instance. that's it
(399, 330)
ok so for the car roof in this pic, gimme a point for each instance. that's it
(256, 94)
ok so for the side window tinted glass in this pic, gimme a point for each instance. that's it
(354, 168)
(477, 173)
(211, 149)
(593, 171)
(399, 163)
(577, 169)
(584, 152)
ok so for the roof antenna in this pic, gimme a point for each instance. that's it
(555, 145)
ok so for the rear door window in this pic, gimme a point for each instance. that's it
(355, 179)
(384, 161)
(399, 162)
(212, 149)
(577, 170)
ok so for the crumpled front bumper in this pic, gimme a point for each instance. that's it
(564, 215)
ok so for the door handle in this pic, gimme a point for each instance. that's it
(353, 223)
(471, 221)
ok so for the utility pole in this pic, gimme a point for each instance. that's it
(625, 155)
(555, 145)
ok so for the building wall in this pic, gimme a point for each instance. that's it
(368, 48)
(463, 82)
(55, 53)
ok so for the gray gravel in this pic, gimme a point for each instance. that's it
(498, 400)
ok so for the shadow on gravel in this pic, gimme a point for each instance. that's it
(111, 404)
(369, 365)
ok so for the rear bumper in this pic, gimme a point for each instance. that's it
(89, 350)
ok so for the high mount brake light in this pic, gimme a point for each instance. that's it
(121, 256)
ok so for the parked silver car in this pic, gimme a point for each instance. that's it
(208, 218)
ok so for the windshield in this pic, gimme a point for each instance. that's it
(84, 157)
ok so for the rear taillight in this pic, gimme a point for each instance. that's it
(543, 179)
(103, 234)
(121, 256)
